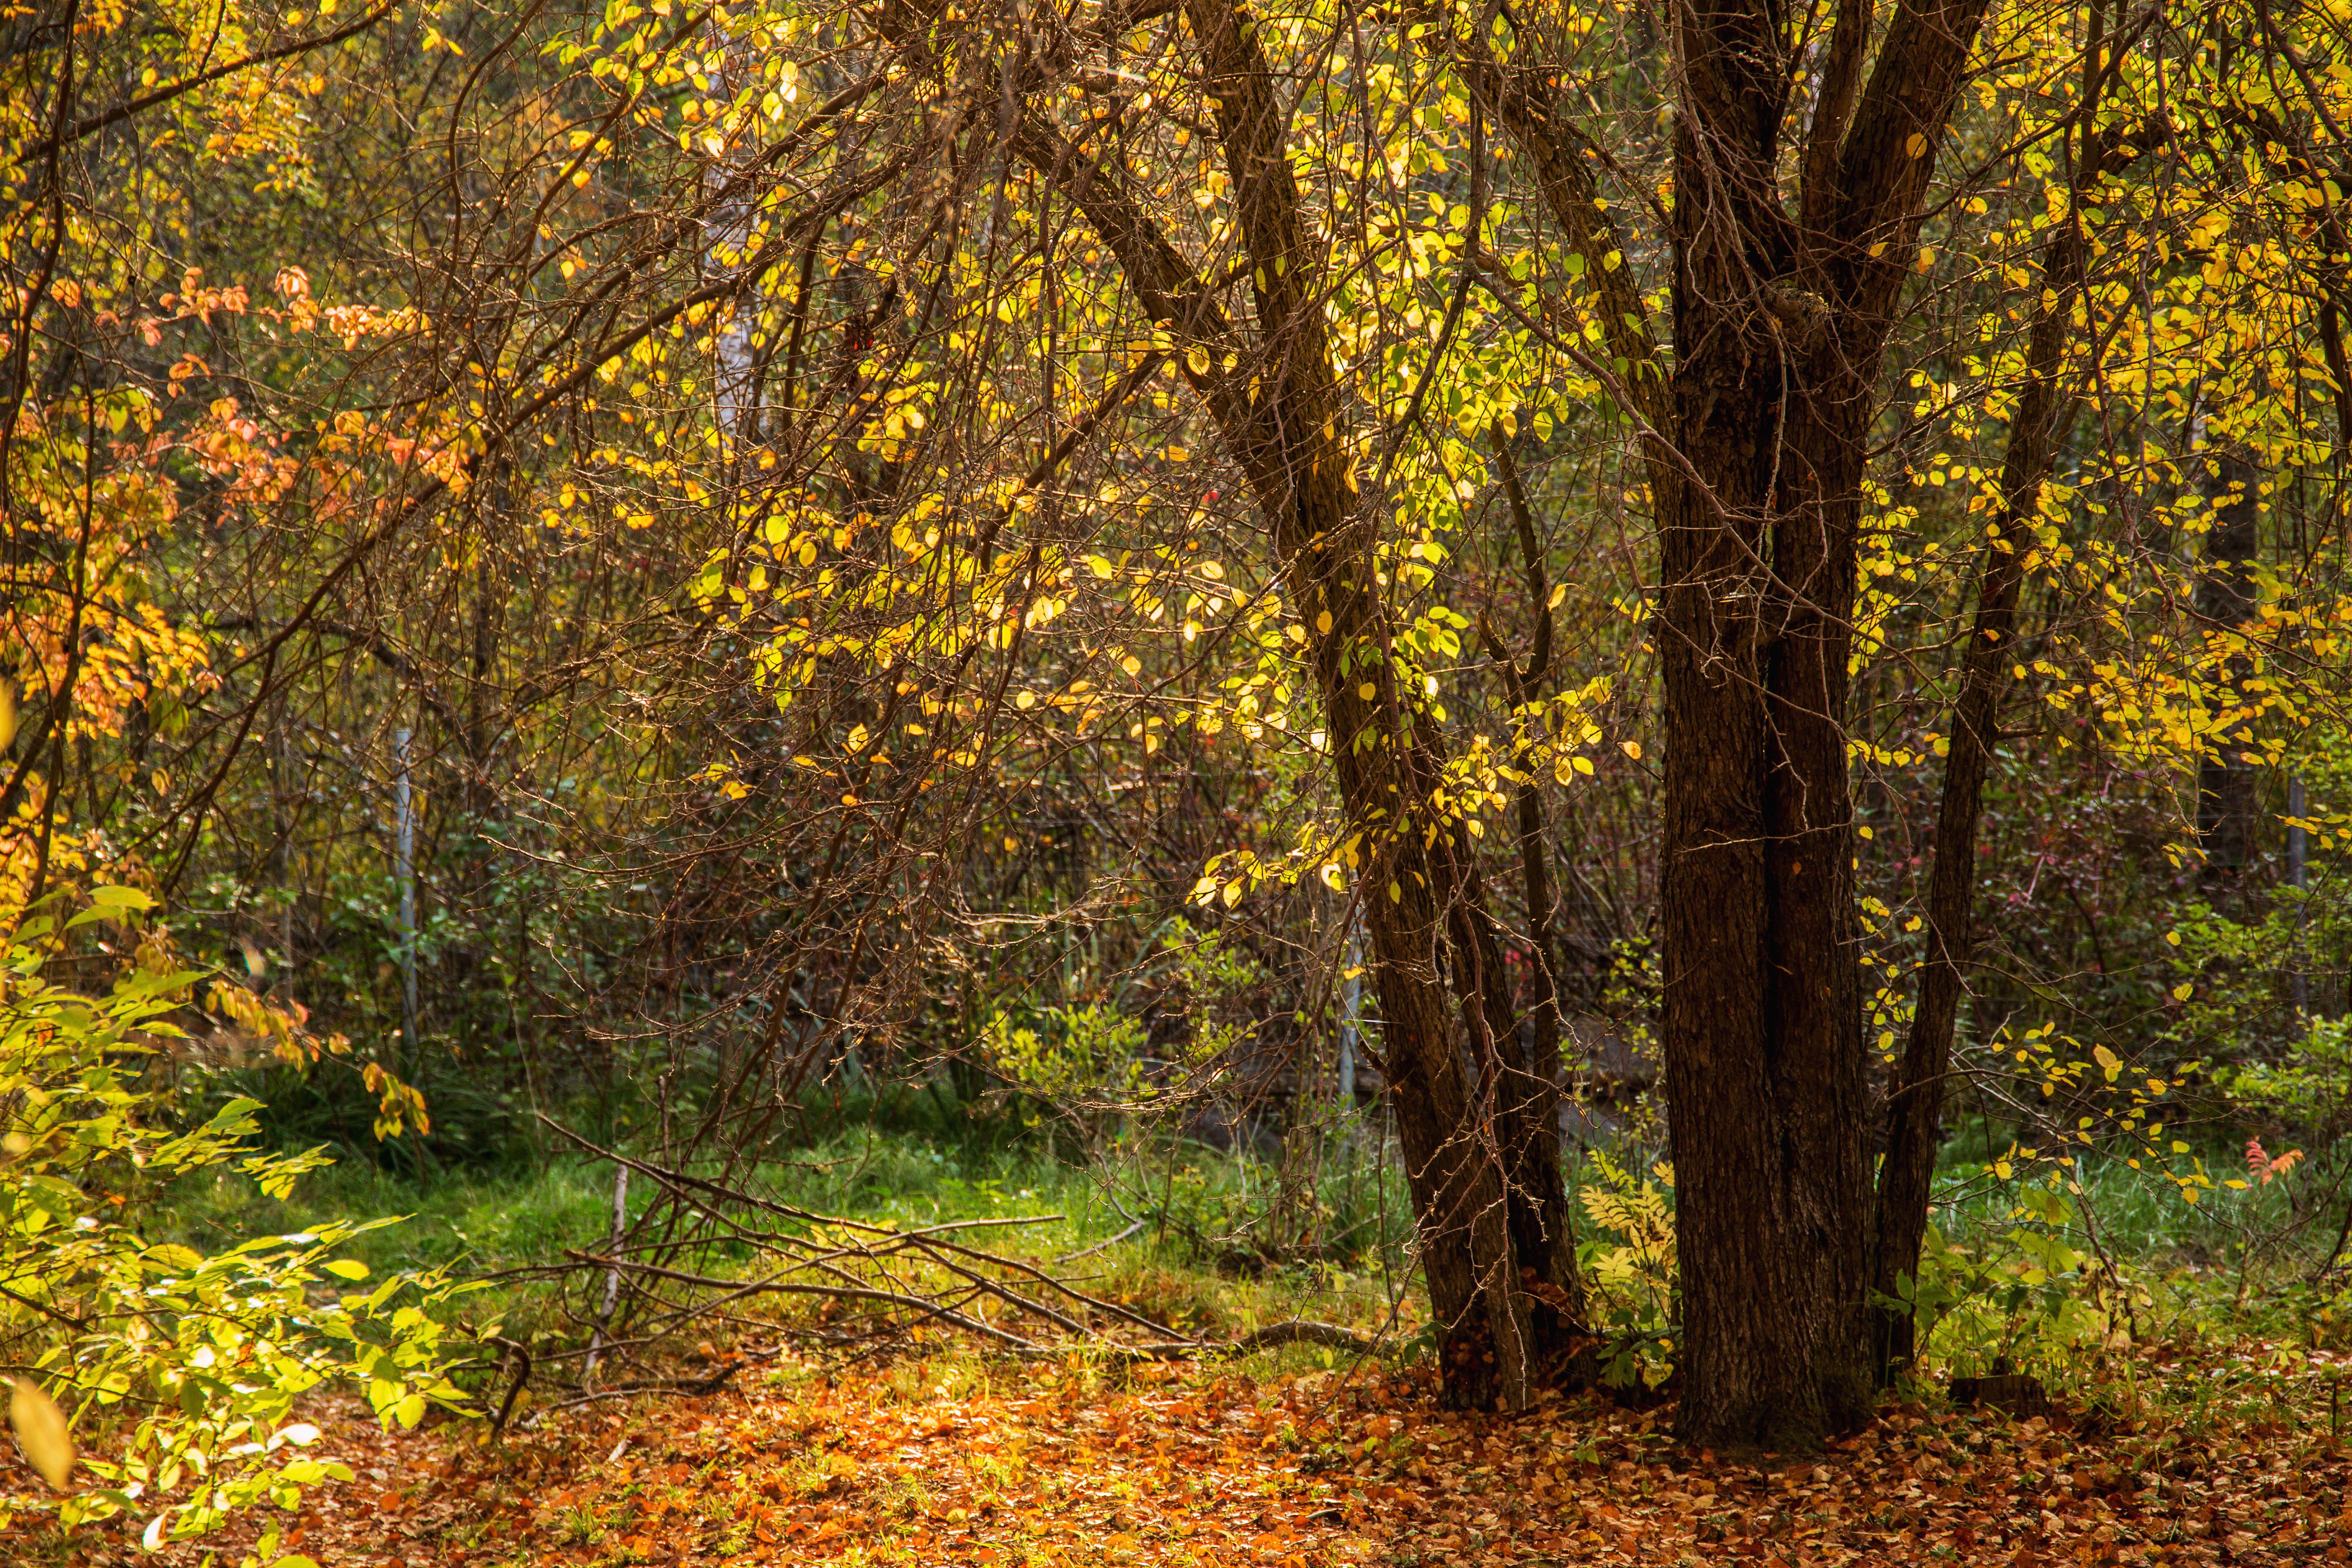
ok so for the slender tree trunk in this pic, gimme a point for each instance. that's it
(1538, 1184)
(1489, 1203)
(2227, 817)
(1914, 1110)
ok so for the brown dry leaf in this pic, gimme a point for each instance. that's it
(1197, 1466)
(41, 1431)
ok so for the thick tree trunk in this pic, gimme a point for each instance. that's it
(1762, 1018)
(1779, 326)
(1755, 454)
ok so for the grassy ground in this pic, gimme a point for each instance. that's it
(2052, 1269)
(1178, 1233)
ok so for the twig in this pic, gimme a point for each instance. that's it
(1099, 1246)
(514, 1389)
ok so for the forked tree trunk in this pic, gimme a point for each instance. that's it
(1755, 452)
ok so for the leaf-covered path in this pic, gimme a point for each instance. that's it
(955, 1463)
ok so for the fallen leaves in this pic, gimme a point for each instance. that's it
(957, 1462)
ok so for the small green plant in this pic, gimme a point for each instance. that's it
(1072, 1057)
(1633, 1280)
(180, 1370)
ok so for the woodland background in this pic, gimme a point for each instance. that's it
(654, 630)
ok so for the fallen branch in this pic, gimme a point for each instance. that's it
(905, 1280)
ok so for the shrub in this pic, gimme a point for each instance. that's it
(180, 1370)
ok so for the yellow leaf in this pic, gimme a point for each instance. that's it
(1917, 146)
(858, 737)
(1196, 360)
(1368, 691)
(1631, 749)
(41, 1432)
(2108, 1061)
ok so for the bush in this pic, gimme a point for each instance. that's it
(180, 1370)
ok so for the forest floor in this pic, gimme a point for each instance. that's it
(952, 1460)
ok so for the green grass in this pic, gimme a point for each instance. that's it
(477, 1222)
(897, 1165)
(1227, 1243)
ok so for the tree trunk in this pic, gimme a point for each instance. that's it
(2227, 817)
(1756, 457)
(1914, 1110)
(1762, 1012)
(1756, 453)
(1489, 1203)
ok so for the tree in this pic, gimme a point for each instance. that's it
(855, 398)
(1476, 1115)
(1782, 302)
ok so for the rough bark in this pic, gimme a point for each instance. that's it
(1765, 1137)
(1756, 450)
(1780, 329)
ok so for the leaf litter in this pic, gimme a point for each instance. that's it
(957, 1460)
